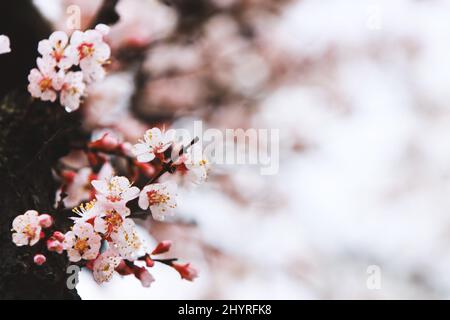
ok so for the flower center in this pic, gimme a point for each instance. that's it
(58, 53)
(114, 219)
(81, 245)
(29, 231)
(85, 50)
(45, 84)
(157, 198)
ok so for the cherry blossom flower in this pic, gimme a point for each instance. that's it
(126, 240)
(116, 189)
(82, 242)
(110, 220)
(160, 197)
(104, 265)
(4, 44)
(56, 48)
(27, 229)
(72, 91)
(190, 172)
(44, 81)
(198, 171)
(92, 53)
(155, 141)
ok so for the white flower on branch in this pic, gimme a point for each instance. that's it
(117, 189)
(72, 91)
(92, 53)
(44, 81)
(126, 240)
(27, 229)
(104, 265)
(155, 142)
(56, 50)
(82, 242)
(160, 198)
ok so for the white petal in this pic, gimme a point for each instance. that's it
(143, 200)
(146, 157)
(4, 44)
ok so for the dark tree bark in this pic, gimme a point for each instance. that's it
(33, 136)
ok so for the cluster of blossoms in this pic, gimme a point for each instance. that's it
(67, 65)
(190, 168)
(103, 237)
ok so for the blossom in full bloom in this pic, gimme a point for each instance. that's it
(160, 198)
(186, 271)
(192, 169)
(72, 91)
(82, 242)
(56, 49)
(4, 44)
(92, 52)
(44, 81)
(115, 190)
(110, 220)
(104, 265)
(155, 141)
(126, 240)
(27, 229)
(198, 170)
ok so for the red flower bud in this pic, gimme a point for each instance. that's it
(105, 143)
(45, 220)
(185, 270)
(39, 259)
(123, 269)
(149, 262)
(54, 245)
(162, 247)
(144, 276)
(58, 235)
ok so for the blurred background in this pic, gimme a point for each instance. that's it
(359, 90)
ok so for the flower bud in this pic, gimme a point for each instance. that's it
(45, 220)
(144, 276)
(162, 247)
(39, 259)
(149, 262)
(105, 143)
(55, 245)
(186, 271)
(58, 235)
